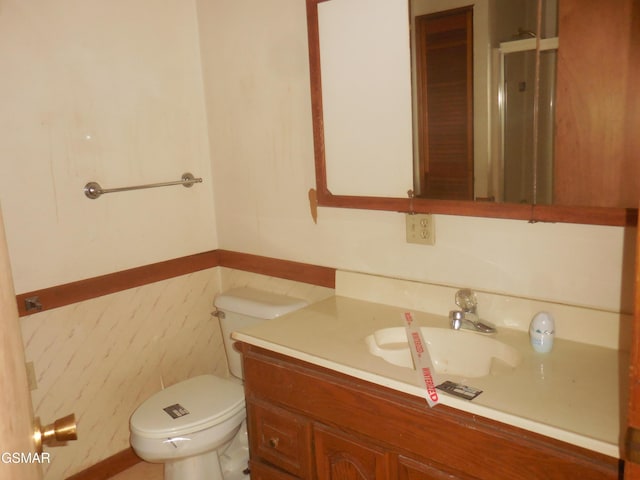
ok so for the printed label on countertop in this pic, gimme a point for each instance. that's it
(421, 359)
(459, 390)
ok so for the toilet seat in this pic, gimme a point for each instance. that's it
(187, 407)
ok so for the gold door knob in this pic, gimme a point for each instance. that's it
(62, 430)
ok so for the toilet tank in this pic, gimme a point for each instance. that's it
(243, 307)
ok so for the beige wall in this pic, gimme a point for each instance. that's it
(106, 91)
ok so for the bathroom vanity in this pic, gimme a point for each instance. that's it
(320, 405)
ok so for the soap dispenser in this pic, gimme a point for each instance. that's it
(541, 332)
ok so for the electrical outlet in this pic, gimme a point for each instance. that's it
(420, 228)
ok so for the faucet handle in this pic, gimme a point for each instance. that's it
(466, 300)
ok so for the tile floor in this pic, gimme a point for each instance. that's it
(141, 471)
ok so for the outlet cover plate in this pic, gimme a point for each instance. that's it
(420, 228)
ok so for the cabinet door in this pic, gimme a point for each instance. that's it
(342, 457)
(409, 469)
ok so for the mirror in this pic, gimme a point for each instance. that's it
(364, 113)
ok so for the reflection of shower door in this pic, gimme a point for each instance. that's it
(525, 178)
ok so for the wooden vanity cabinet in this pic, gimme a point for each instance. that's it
(308, 422)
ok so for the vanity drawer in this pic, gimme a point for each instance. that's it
(280, 438)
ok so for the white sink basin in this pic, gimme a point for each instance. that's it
(456, 352)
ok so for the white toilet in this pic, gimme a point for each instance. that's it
(197, 427)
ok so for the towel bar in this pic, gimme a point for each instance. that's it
(93, 190)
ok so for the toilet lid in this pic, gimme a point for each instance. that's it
(187, 407)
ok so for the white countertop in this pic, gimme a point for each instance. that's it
(571, 394)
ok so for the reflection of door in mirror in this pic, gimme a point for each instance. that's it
(444, 63)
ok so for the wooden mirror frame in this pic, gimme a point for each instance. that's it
(533, 213)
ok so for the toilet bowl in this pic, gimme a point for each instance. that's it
(197, 427)
(179, 424)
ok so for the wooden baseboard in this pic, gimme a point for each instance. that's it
(108, 467)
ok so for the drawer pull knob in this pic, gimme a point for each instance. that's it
(273, 442)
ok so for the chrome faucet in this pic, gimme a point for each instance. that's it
(467, 316)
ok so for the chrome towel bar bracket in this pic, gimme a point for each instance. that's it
(93, 190)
